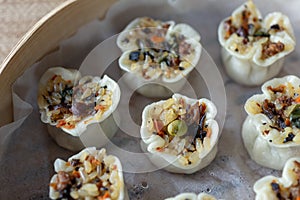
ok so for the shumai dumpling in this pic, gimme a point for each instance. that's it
(73, 106)
(253, 48)
(90, 174)
(271, 132)
(180, 134)
(158, 54)
(286, 187)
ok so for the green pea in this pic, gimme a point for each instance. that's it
(177, 127)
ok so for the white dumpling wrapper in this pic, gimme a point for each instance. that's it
(186, 30)
(192, 196)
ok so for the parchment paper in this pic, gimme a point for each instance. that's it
(28, 152)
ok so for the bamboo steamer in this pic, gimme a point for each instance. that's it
(42, 39)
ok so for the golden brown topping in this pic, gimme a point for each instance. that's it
(270, 49)
(279, 88)
(283, 110)
(229, 29)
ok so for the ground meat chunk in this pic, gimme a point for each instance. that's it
(184, 48)
(269, 109)
(63, 180)
(270, 49)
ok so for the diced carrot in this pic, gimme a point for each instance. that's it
(99, 107)
(106, 195)
(76, 174)
(53, 185)
(159, 149)
(157, 39)
(61, 123)
(287, 122)
(161, 133)
(297, 100)
(69, 126)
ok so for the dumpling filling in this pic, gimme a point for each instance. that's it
(88, 175)
(68, 104)
(247, 28)
(283, 112)
(168, 61)
(290, 192)
(183, 128)
(147, 32)
(154, 49)
(58, 95)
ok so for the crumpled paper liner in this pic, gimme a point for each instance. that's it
(28, 152)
